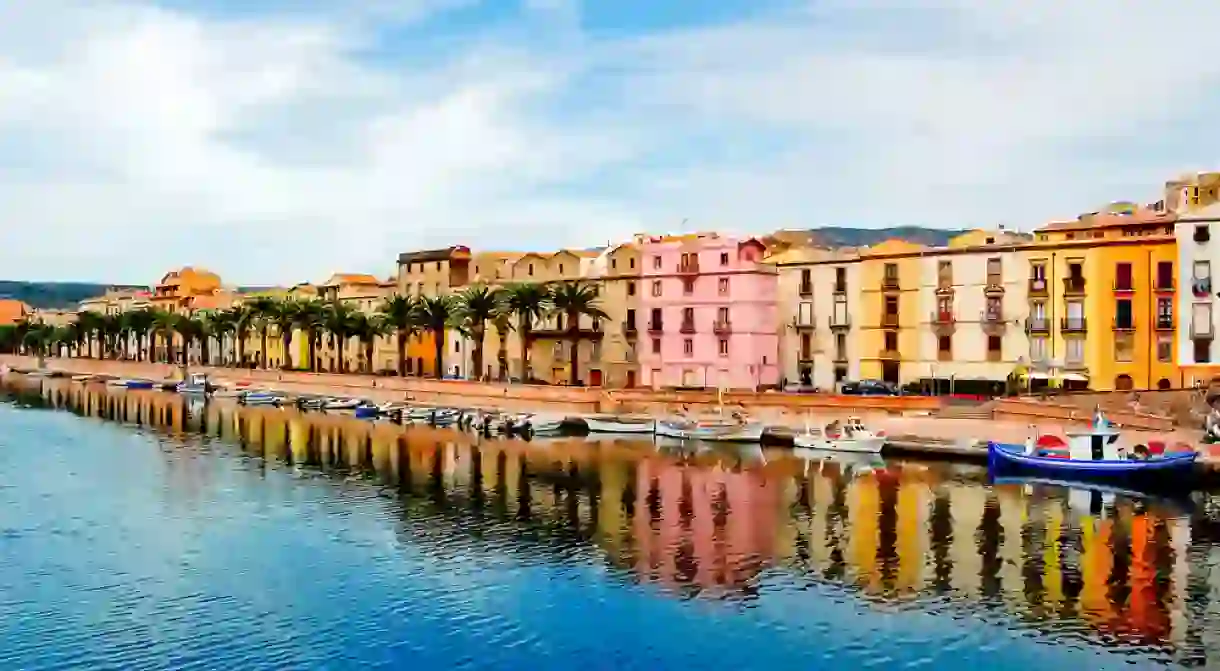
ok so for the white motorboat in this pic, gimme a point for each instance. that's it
(195, 385)
(391, 407)
(539, 424)
(82, 378)
(260, 398)
(341, 404)
(849, 436)
(620, 424)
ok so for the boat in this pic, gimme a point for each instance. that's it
(131, 384)
(82, 378)
(540, 424)
(620, 424)
(849, 436)
(366, 410)
(1093, 454)
(735, 427)
(341, 404)
(260, 398)
(196, 385)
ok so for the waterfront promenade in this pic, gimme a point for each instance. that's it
(905, 417)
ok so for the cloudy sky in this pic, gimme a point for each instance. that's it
(280, 140)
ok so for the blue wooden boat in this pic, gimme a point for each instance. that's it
(366, 411)
(1088, 455)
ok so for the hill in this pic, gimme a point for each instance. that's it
(861, 237)
(51, 295)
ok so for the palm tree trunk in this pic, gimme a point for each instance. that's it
(263, 354)
(286, 337)
(574, 343)
(502, 356)
(312, 349)
(438, 340)
(240, 339)
(402, 352)
(524, 328)
(368, 355)
(477, 355)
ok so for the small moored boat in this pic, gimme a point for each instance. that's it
(849, 436)
(1088, 455)
(196, 385)
(620, 424)
(260, 398)
(716, 429)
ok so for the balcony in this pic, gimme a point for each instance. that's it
(687, 327)
(889, 321)
(656, 327)
(840, 321)
(1201, 330)
(1038, 325)
(1202, 233)
(1125, 286)
(840, 287)
(840, 357)
(1164, 322)
(1201, 286)
(1037, 286)
(805, 357)
(630, 330)
(688, 267)
(993, 323)
(1073, 286)
(1123, 325)
(1164, 285)
(722, 327)
(803, 322)
(548, 332)
(944, 286)
(889, 284)
(942, 317)
(806, 289)
(888, 354)
(1073, 325)
(994, 286)
(1074, 364)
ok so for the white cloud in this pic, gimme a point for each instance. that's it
(276, 146)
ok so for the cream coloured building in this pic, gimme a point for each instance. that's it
(819, 304)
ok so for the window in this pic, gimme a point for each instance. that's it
(1164, 349)
(656, 263)
(656, 287)
(631, 318)
(438, 265)
(1037, 349)
(995, 309)
(804, 314)
(722, 315)
(688, 347)
(724, 347)
(806, 347)
(1124, 345)
(995, 344)
(944, 307)
(1075, 350)
(530, 270)
(944, 344)
(1164, 313)
(1122, 277)
(1202, 270)
(1203, 350)
(688, 315)
(891, 341)
(656, 345)
(631, 288)
(656, 318)
(722, 285)
(840, 279)
(1201, 320)
(1122, 314)
(457, 345)
(630, 263)
(561, 269)
(1164, 274)
(891, 271)
(995, 267)
(891, 306)
(724, 258)
(597, 350)
(1037, 271)
(613, 264)
(944, 269)
(840, 347)
(688, 286)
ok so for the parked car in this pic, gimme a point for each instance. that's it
(869, 388)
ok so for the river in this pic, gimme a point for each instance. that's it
(139, 530)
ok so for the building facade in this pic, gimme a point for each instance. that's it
(1198, 252)
(434, 272)
(709, 305)
(818, 294)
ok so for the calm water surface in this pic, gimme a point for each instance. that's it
(137, 531)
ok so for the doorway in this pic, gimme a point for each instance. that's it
(630, 379)
(889, 371)
(595, 378)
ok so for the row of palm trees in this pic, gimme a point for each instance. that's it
(471, 312)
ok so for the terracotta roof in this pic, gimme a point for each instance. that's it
(1110, 220)
(433, 254)
(13, 311)
(351, 278)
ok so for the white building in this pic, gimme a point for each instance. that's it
(1198, 257)
(819, 292)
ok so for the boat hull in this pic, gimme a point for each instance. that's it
(750, 432)
(866, 445)
(1006, 458)
(605, 425)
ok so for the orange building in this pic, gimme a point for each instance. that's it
(13, 311)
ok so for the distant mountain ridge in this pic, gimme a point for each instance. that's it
(51, 295)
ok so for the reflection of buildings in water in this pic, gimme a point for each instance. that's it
(900, 531)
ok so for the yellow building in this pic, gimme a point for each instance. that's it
(890, 316)
(432, 272)
(366, 294)
(1102, 299)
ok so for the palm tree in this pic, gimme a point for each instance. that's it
(8, 338)
(529, 302)
(435, 315)
(574, 300)
(503, 323)
(142, 322)
(338, 320)
(90, 324)
(367, 329)
(309, 318)
(398, 314)
(284, 317)
(261, 309)
(222, 323)
(245, 317)
(163, 325)
(476, 306)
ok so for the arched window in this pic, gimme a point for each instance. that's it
(1124, 383)
(1164, 383)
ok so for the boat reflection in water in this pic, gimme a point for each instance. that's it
(740, 524)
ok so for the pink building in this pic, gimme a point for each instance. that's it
(709, 310)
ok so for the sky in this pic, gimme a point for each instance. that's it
(279, 141)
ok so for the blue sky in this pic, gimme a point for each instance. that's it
(278, 141)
